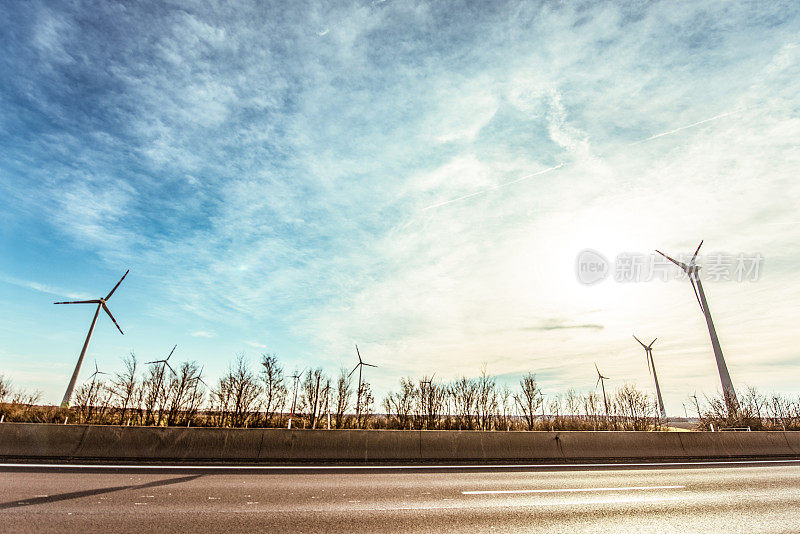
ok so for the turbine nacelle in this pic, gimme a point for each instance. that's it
(692, 270)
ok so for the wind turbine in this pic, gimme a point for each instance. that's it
(427, 400)
(199, 377)
(358, 366)
(651, 365)
(296, 378)
(101, 303)
(601, 380)
(96, 372)
(693, 270)
(164, 362)
(327, 391)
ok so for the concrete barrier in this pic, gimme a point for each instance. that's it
(466, 445)
(40, 440)
(85, 442)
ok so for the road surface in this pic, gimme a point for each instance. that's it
(709, 497)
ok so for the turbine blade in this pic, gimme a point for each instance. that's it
(640, 343)
(79, 302)
(170, 368)
(118, 283)
(696, 294)
(359, 354)
(369, 365)
(676, 262)
(112, 318)
(651, 343)
(354, 369)
(170, 352)
(154, 361)
(695, 252)
(598, 381)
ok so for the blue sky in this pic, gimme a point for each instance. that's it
(414, 177)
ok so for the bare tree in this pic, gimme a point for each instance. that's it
(530, 399)
(92, 400)
(464, 393)
(505, 407)
(310, 400)
(402, 403)
(155, 393)
(343, 394)
(486, 399)
(6, 388)
(124, 384)
(273, 381)
(364, 409)
(634, 410)
(244, 392)
(183, 391)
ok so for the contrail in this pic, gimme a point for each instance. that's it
(698, 123)
(493, 188)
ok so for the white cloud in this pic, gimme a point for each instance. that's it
(203, 334)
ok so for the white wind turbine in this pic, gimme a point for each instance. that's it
(358, 366)
(693, 270)
(601, 380)
(651, 365)
(101, 303)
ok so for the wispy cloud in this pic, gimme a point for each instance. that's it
(44, 288)
(203, 333)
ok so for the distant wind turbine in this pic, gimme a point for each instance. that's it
(651, 365)
(296, 377)
(693, 270)
(199, 377)
(96, 372)
(164, 362)
(427, 401)
(601, 380)
(101, 303)
(358, 366)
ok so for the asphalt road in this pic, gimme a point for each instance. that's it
(738, 497)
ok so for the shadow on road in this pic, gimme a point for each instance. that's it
(89, 493)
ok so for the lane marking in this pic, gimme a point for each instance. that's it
(568, 490)
(144, 467)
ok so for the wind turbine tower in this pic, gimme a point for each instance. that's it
(651, 365)
(601, 380)
(693, 270)
(358, 366)
(101, 303)
(296, 378)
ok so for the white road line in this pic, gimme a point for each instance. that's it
(385, 467)
(568, 490)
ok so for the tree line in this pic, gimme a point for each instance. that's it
(269, 396)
